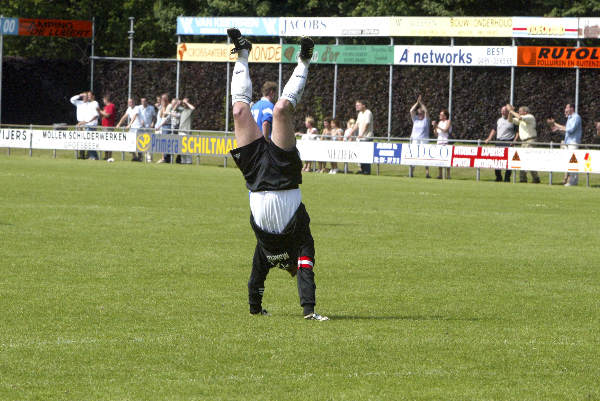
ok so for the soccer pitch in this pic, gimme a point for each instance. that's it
(126, 281)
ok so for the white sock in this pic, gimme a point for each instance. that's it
(295, 86)
(241, 85)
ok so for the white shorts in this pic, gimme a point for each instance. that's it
(273, 210)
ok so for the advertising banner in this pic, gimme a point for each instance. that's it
(15, 138)
(336, 151)
(221, 52)
(55, 27)
(9, 26)
(343, 54)
(426, 155)
(387, 153)
(218, 25)
(580, 161)
(558, 57)
(185, 144)
(540, 27)
(589, 28)
(473, 56)
(480, 157)
(334, 26)
(498, 27)
(83, 140)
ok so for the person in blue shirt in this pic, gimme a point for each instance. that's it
(573, 132)
(262, 111)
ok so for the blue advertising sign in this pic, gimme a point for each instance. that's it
(251, 26)
(387, 153)
(9, 26)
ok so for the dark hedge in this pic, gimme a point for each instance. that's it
(38, 91)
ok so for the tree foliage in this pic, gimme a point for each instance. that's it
(155, 20)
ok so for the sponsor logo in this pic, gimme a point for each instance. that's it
(304, 25)
(143, 142)
(14, 135)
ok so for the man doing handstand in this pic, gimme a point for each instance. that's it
(272, 171)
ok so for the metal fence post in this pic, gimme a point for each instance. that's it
(131, 32)
(30, 148)
(478, 169)
(390, 94)
(450, 79)
(92, 58)
(550, 174)
(512, 80)
(335, 77)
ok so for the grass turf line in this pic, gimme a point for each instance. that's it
(128, 281)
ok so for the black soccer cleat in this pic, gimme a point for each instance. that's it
(306, 48)
(239, 41)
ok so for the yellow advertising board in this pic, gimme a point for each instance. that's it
(498, 27)
(221, 52)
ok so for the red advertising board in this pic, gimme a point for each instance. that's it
(55, 27)
(480, 157)
(558, 57)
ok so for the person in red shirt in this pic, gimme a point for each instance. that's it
(108, 118)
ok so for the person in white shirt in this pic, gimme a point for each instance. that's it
(135, 121)
(349, 129)
(364, 130)
(443, 128)
(87, 117)
(311, 134)
(148, 113)
(419, 116)
(336, 135)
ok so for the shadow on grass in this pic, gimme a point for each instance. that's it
(407, 317)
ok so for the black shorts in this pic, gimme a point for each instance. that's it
(266, 167)
(286, 249)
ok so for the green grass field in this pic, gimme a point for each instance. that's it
(127, 281)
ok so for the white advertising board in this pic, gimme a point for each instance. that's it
(579, 161)
(84, 140)
(15, 138)
(471, 56)
(426, 155)
(336, 151)
(334, 27)
(540, 27)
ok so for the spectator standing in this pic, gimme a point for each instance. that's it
(573, 133)
(364, 130)
(527, 133)
(165, 122)
(325, 136)
(108, 120)
(148, 113)
(443, 129)
(79, 102)
(505, 134)
(185, 124)
(262, 111)
(135, 121)
(311, 134)
(349, 129)
(337, 134)
(596, 138)
(91, 119)
(419, 116)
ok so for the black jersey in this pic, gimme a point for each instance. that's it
(267, 167)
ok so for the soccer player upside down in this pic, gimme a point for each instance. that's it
(272, 171)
